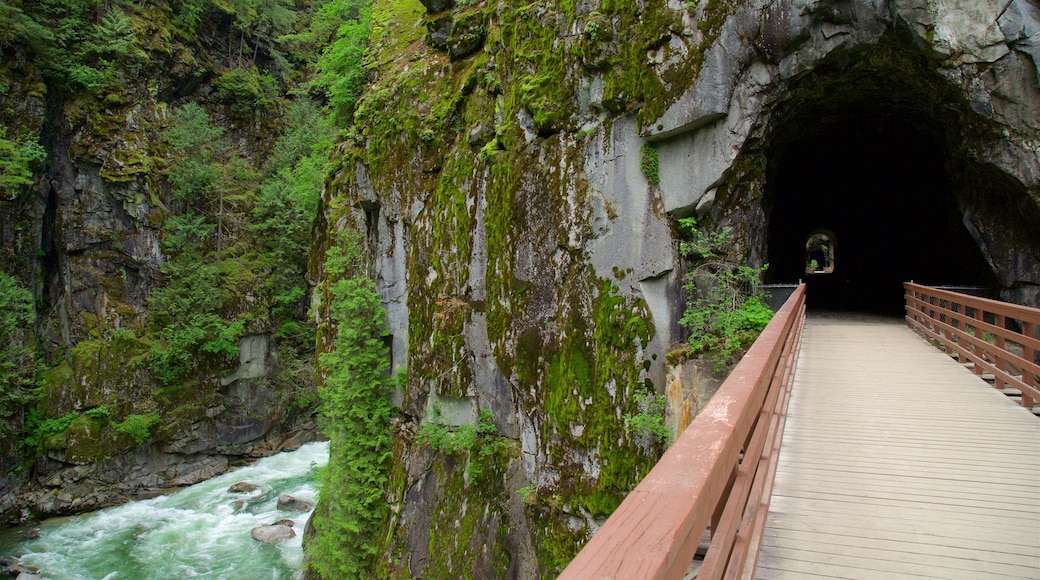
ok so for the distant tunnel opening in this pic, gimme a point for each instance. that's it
(867, 166)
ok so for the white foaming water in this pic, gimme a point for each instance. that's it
(202, 531)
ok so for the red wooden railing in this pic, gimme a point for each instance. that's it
(718, 475)
(998, 337)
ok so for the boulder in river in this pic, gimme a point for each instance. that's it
(273, 533)
(243, 487)
(293, 504)
(12, 567)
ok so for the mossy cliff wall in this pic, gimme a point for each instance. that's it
(525, 251)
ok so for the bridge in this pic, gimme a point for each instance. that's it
(851, 447)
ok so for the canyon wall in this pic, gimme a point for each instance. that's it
(517, 170)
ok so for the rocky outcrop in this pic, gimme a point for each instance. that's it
(143, 472)
(521, 222)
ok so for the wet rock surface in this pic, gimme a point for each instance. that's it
(293, 504)
(243, 487)
(273, 533)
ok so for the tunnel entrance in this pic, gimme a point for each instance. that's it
(867, 164)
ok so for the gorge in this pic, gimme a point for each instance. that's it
(454, 225)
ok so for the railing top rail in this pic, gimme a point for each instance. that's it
(656, 529)
(1023, 313)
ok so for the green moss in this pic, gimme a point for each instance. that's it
(587, 386)
(650, 164)
(555, 543)
(541, 84)
(641, 27)
(441, 309)
(498, 229)
(395, 25)
(89, 440)
(471, 507)
(577, 373)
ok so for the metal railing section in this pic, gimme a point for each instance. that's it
(718, 475)
(1000, 338)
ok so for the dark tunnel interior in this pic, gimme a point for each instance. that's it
(876, 182)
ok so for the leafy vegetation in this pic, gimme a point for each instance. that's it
(284, 209)
(527, 492)
(341, 72)
(724, 313)
(355, 414)
(17, 159)
(138, 427)
(41, 431)
(649, 163)
(242, 250)
(187, 310)
(245, 91)
(17, 359)
(649, 421)
(479, 441)
(78, 42)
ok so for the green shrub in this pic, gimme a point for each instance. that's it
(341, 72)
(17, 159)
(481, 441)
(46, 432)
(723, 312)
(649, 421)
(650, 164)
(17, 357)
(138, 427)
(100, 413)
(245, 91)
(187, 310)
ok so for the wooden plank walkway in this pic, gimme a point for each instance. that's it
(899, 463)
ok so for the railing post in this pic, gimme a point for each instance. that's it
(998, 343)
(977, 316)
(1030, 354)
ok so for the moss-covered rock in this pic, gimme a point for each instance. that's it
(519, 227)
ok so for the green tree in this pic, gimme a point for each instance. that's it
(186, 312)
(16, 25)
(187, 15)
(197, 148)
(205, 177)
(341, 73)
(355, 413)
(284, 211)
(17, 358)
(84, 43)
(16, 161)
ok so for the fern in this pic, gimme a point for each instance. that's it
(355, 413)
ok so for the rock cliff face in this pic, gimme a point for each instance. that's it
(87, 236)
(516, 169)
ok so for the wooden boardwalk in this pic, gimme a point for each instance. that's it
(899, 463)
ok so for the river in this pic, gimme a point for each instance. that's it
(202, 531)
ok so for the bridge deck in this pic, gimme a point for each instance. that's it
(899, 463)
